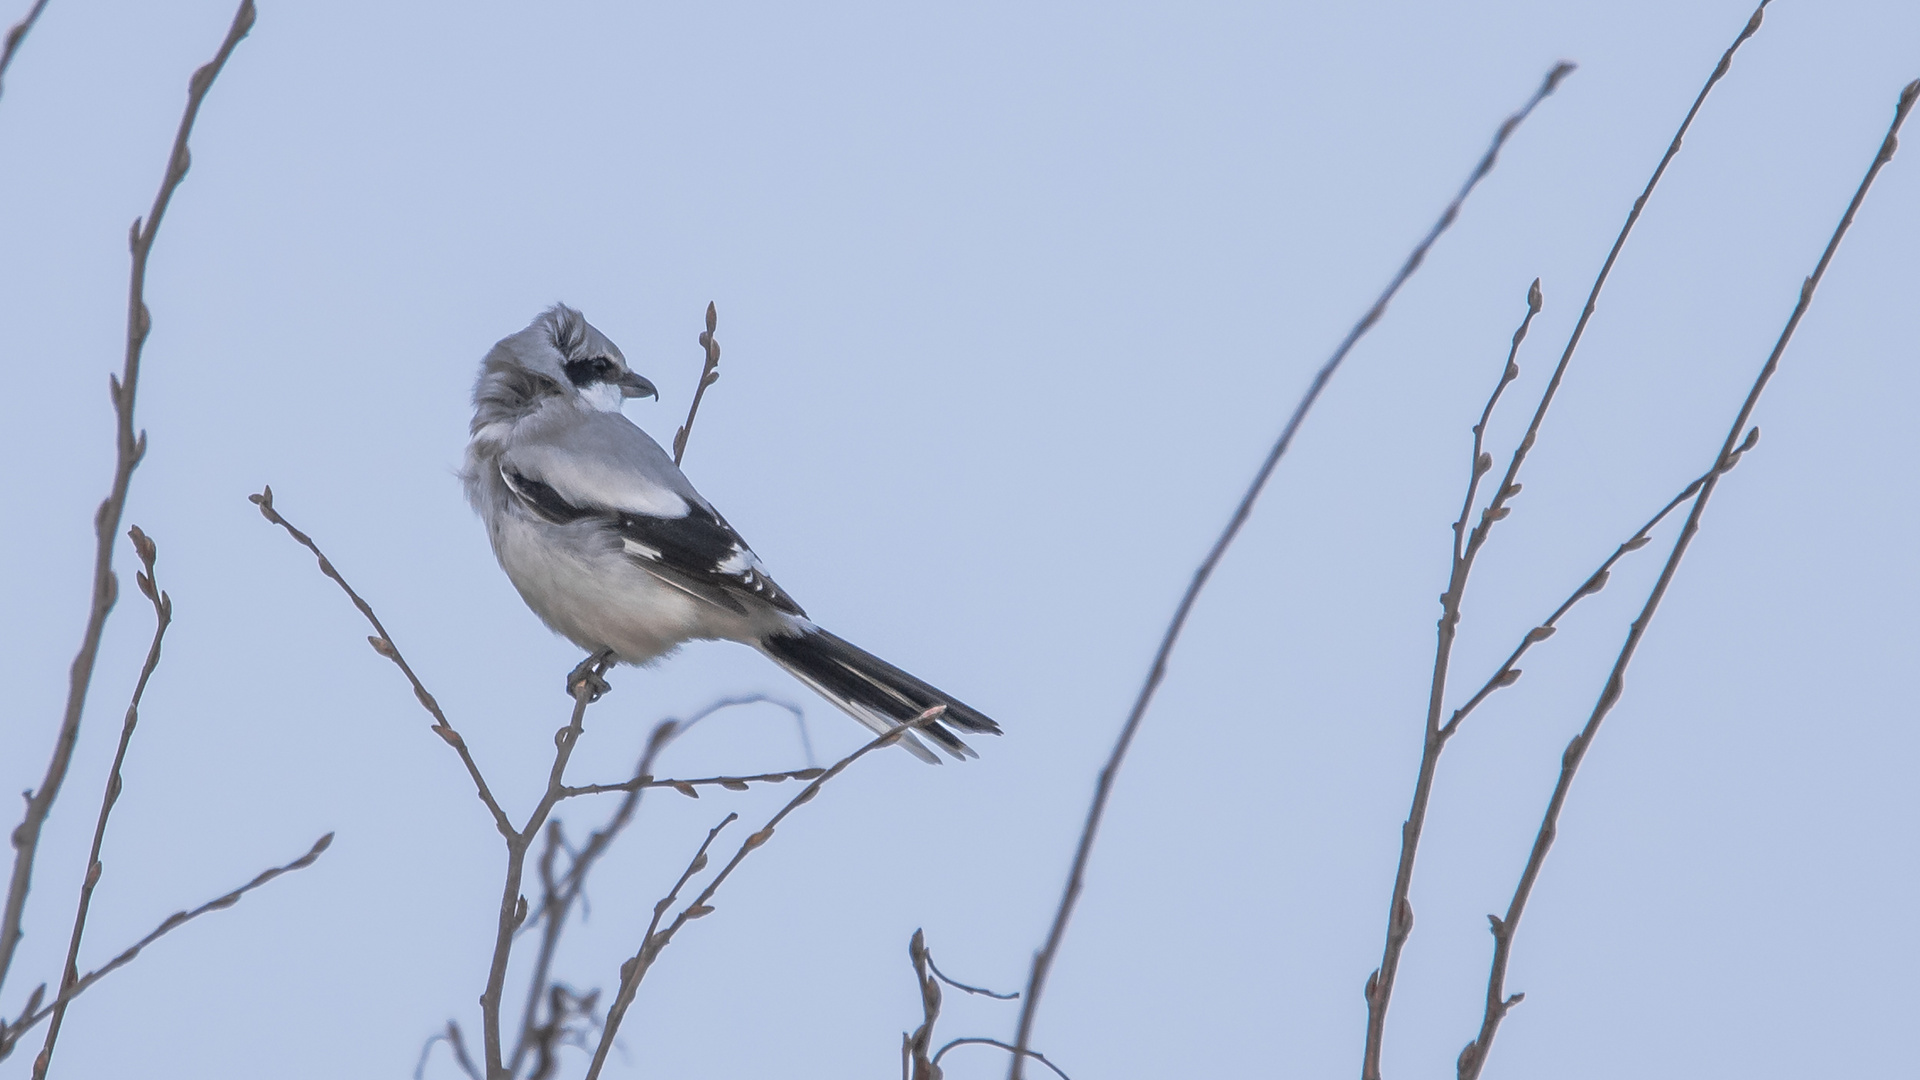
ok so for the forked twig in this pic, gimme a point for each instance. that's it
(1379, 987)
(1043, 959)
(1473, 1057)
(128, 450)
(635, 969)
(709, 374)
(162, 618)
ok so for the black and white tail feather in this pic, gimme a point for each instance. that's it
(873, 691)
(612, 547)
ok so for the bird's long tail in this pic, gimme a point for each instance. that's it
(875, 692)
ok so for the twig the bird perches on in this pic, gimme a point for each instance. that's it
(1474, 1056)
(162, 618)
(1043, 959)
(586, 685)
(709, 374)
(129, 448)
(1379, 987)
(635, 969)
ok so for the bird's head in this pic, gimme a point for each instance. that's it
(560, 352)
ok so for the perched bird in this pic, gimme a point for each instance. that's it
(611, 546)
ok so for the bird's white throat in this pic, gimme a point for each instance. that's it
(603, 397)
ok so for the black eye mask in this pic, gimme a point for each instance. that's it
(584, 373)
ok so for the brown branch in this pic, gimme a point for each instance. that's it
(1379, 987)
(1043, 959)
(382, 643)
(162, 618)
(18, 34)
(173, 922)
(1473, 1057)
(129, 449)
(709, 374)
(635, 969)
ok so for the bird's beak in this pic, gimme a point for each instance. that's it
(632, 385)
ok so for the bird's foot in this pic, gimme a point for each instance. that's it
(588, 677)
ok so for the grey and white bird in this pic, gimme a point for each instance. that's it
(612, 547)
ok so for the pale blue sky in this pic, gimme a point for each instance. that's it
(1012, 296)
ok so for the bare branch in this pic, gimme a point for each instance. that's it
(456, 1042)
(172, 923)
(635, 969)
(1739, 439)
(1379, 987)
(977, 1041)
(1043, 959)
(709, 374)
(382, 643)
(129, 449)
(162, 618)
(18, 34)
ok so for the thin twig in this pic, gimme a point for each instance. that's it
(635, 969)
(173, 922)
(1379, 987)
(382, 643)
(977, 1041)
(129, 449)
(18, 34)
(1043, 959)
(709, 374)
(957, 985)
(162, 618)
(1473, 1057)
(685, 787)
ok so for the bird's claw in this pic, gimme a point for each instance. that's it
(588, 677)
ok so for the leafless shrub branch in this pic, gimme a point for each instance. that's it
(129, 449)
(162, 618)
(1473, 1057)
(1043, 959)
(709, 374)
(1379, 987)
(635, 969)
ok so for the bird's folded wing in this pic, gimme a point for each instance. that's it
(660, 521)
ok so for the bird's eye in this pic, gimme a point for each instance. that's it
(583, 373)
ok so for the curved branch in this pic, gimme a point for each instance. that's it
(1043, 959)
